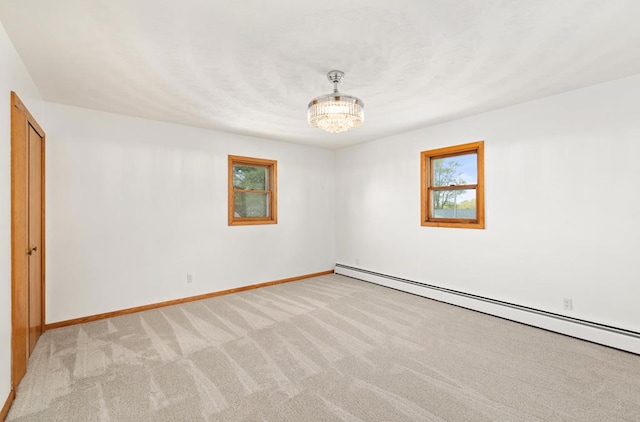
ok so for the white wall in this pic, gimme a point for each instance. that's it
(13, 77)
(134, 205)
(562, 206)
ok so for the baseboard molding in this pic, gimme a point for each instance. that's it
(105, 315)
(586, 330)
(7, 405)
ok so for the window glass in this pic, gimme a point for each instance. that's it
(249, 204)
(456, 170)
(454, 203)
(250, 177)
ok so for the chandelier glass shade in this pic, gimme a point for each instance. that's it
(336, 112)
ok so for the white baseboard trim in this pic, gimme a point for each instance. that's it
(598, 333)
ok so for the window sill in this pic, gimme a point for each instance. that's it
(478, 225)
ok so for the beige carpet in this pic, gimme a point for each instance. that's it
(324, 349)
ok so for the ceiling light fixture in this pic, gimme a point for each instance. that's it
(336, 112)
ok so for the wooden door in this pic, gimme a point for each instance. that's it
(27, 236)
(35, 237)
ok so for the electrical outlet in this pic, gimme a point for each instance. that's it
(189, 278)
(357, 261)
(567, 304)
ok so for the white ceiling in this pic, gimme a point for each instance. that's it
(251, 66)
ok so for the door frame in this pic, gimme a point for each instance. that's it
(21, 119)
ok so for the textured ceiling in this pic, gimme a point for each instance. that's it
(251, 66)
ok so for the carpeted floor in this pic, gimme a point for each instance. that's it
(324, 349)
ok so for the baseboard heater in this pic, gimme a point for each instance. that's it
(591, 331)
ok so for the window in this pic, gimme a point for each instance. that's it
(252, 191)
(452, 186)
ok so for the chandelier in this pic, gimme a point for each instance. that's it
(335, 112)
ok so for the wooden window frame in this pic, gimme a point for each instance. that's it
(426, 189)
(271, 166)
